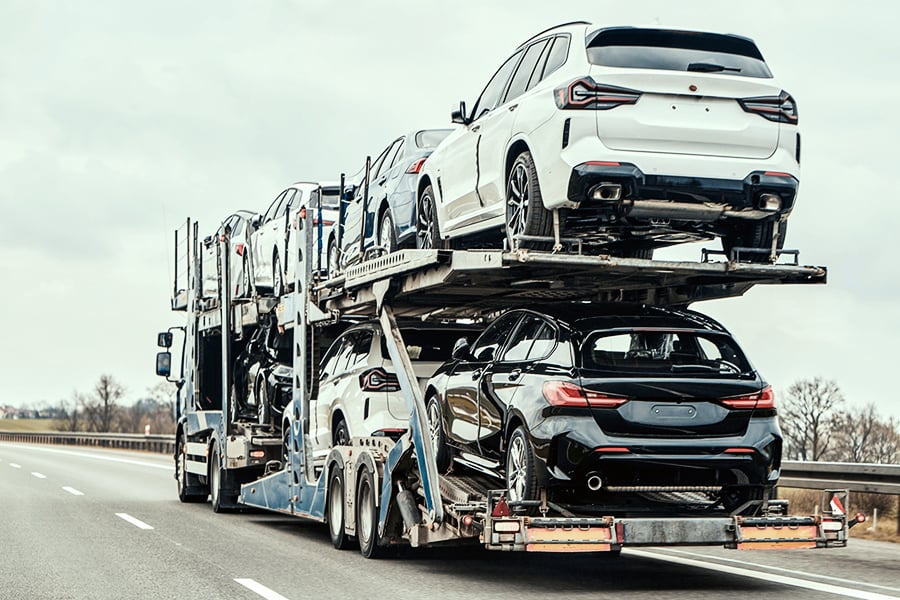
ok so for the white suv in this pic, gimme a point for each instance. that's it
(628, 138)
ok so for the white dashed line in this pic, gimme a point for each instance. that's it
(73, 491)
(136, 522)
(260, 589)
(39, 475)
(770, 577)
(15, 466)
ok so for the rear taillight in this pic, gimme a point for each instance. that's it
(587, 93)
(781, 108)
(416, 166)
(761, 400)
(239, 248)
(563, 393)
(379, 380)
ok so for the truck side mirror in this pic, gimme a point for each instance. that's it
(459, 115)
(164, 339)
(164, 364)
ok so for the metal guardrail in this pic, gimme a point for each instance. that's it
(857, 477)
(163, 444)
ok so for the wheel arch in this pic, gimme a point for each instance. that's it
(515, 149)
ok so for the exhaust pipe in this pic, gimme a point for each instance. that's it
(607, 192)
(594, 482)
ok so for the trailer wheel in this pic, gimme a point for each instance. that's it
(521, 479)
(184, 479)
(221, 501)
(367, 516)
(339, 539)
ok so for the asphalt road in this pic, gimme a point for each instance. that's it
(81, 523)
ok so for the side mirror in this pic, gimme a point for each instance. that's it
(459, 115)
(256, 221)
(164, 339)
(207, 241)
(164, 364)
(461, 349)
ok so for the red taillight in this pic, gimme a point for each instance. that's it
(563, 393)
(239, 248)
(587, 93)
(612, 449)
(739, 451)
(781, 108)
(601, 163)
(760, 400)
(416, 166)
(379, 380)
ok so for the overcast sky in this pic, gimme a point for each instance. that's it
(119, 120)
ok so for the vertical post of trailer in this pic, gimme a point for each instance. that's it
(225, 308)
(419, 431)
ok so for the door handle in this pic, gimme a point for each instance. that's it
(515, 374)
(381, 181)
(476, 128)
(476, 373)
(513, 107)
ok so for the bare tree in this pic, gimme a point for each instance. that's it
(854, 433)
(107, 392)
(884, 446)
(72, 416)
(808, 418)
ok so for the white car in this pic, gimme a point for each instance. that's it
(236, 230)
(630, 139)
(275, 230)
(359, 394)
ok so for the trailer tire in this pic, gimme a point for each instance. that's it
(335, 510)
(183, 478)
(221, 501)
(367, 516)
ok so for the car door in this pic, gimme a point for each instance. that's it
(458, 156)
(264, 241)
(329, 388)
(461, 397)
(496, 130)
(358, 219)
(502, 379)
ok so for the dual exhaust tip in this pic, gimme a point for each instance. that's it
(606, 192)
(594, 482)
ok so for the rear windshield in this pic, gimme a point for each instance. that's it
(676, 51)
(430, 138)
(331, 197)
(661, 352)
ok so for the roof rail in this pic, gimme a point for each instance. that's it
(537, 35)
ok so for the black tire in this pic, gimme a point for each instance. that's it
(335, 509)
(387, 236)
(367, 516)
(428, 233)
(757, 234)
(185, 480)
(525, 212)
(334, 259)
(221, 499)
(645, 253)
(277, 276)
(436, 435)
(521, 477)
(340, 436)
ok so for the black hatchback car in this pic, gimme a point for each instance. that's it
(633, 409)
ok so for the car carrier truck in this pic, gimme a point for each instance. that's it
(380, 492)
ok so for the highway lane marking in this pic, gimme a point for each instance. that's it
(98, 457)
(73, 491)
(770, 577)
(136, 522)
(783, 570)
(260, 589)
(15, 466)
(39, 475)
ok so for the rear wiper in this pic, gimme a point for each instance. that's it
(694, 367)
(702, 67)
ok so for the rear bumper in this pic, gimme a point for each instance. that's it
(675, 197)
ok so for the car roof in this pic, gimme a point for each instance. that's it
(598, 315)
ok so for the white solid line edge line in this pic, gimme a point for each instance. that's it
(136, 522)
(770, 577)
(260, 589)
(15, 465)
(39, 475)
(783, 570)
(73, 491)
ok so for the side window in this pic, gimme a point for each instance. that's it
(297, 199)
(282, 208)
(398, 152)
(520, 80)
(330, 360)
(276, 203)
(359, 349)
(490, 97)
(488, 345)
(557, 56)
(533, 340)
(375, 168)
